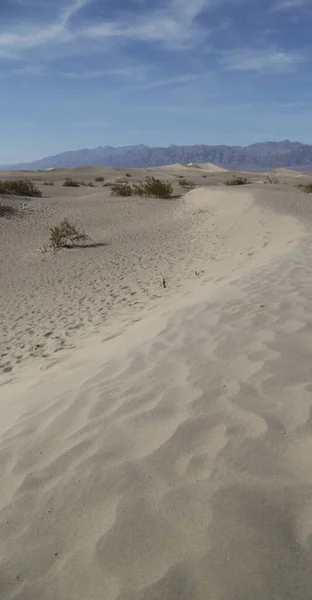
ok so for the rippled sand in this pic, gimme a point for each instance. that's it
(169, 455)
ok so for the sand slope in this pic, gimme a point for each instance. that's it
(167, 458)
(54, 299)
(210, 167)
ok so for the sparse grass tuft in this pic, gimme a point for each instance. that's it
(66, 235)
(48, 183)
(100, 179)
(20, 187)
(90, 184)
(69, 182)
(237, 181)
(305, 187)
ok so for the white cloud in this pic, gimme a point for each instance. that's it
(289, 4)
(177, 80)
(98, 74)
(12, 42)
(173, 26)
(260, 60)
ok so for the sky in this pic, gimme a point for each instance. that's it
(86, 73)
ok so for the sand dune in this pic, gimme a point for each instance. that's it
(208, 167)
(287, 172)
(168, 455)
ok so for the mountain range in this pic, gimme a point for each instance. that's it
(256, 157)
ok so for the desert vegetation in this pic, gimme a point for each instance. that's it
(7, 211)
(48, 183)
(305, 187)
(272, 179)
(151, 187)
(119, 188)
(186, 183)
(237, 181)
(100, 179)
(66, 235)
(20, 187)
(69, 182)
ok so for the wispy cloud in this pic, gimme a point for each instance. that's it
(281, 5)
(13, 42)
(260, 60)
(175, 26)
(99, 74)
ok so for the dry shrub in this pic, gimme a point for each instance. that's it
(66, 235)
(237, 181)
(305, 187)
(20, 187)
(69, 182)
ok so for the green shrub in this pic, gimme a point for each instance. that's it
(66, 235)
(121, 189)
(20, 187)
(69, 182)
(186, 183)
(150, 188)
(100, 179)
(157, 188)
(237, 181)
(305, 187)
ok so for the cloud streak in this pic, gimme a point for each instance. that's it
(12, 43)
(264, 61)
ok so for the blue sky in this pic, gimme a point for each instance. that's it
(84, 73)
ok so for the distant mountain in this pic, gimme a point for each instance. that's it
(257, 157)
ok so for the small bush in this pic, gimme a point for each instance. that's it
(237, 181)
(90, 184)
(150, 188)
(121, 189)
(66, 235)
(305, 187)
(157, 188)
(69, 182)
(48, 183)
(20, 187)
(128, 175)
(272, 179)
(186, 183)
(7, 211)
(100, 179)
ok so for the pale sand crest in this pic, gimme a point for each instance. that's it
(173, 462)
(210, 167)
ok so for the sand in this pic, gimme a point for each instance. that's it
(210, 167)
(167, 454)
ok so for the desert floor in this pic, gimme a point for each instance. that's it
(155, 442)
